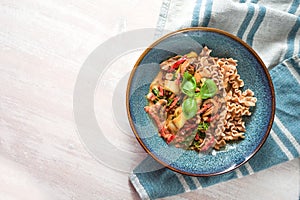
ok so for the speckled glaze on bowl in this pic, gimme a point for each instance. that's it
(252, 71)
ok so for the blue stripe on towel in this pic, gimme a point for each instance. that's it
(246, 21)
(254, 1)
(242, 1)
(257, 23)
(291, 39)
(196, 13)
(207, 13)
(294, 7)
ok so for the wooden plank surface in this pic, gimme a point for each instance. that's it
(43, 46)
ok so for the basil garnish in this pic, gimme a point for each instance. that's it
(208, 89)
(189, 107)
(188, 87)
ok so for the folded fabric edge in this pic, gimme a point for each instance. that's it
(138, 187)
(293, 66)
(210, 181)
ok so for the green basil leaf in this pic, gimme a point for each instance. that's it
(187, 75)
(188, 88)
(209, 89)
(188, 85)
(189, 107)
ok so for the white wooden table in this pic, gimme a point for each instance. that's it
(43, 46)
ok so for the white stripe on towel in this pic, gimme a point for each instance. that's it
(281, 145)
(249, 168)
(287, 133)
(196, 182)
(238, 173)
(296, 43)
(138, 186)
(183, 182)
(292, 70)
(202, 12)
(253, 19)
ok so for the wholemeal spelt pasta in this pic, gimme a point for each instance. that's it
(197, 102)
(237, 102)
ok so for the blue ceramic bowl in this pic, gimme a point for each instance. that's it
(252, 71)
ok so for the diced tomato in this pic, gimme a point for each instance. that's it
(177, 63)
(174, 102)
(197, 137)
(161, 91)
(170, 138)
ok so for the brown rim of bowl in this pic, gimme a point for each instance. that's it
(208, 30)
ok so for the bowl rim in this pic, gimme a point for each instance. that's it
(206, 29)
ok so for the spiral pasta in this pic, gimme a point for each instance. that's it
(238, 103)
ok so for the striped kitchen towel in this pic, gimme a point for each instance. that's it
(272, 29)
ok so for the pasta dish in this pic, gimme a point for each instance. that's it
(197, 102)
